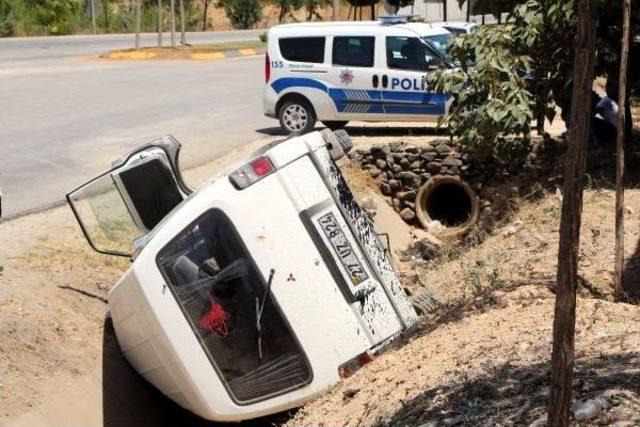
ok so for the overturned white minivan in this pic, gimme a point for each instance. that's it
(256, 292)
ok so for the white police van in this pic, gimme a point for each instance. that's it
(341, 71)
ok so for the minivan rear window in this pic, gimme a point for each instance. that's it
(303, 49)
(353, 51)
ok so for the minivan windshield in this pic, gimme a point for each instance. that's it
(440, 43)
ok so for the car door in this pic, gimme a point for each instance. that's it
(406, 94)
(126, 202)
(355, 82)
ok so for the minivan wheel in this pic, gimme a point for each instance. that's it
(297, 116)
(335, 125)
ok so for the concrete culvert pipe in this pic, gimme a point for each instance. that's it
(449, 200)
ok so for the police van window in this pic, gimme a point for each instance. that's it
(353, 51)
(408, 53)
(303, 49)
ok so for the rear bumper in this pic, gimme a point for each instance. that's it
(269, 101)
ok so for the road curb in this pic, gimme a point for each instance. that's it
(197, 56)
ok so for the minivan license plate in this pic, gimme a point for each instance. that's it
(342, 248)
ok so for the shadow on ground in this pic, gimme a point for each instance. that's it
(355, 131)
(518, 395)
(128, 400)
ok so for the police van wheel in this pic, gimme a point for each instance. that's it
(297, 117)
(335, 125)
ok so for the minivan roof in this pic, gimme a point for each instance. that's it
(336, 27)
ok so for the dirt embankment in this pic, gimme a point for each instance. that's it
(483, 358)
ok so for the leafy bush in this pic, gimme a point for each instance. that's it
(6, 19)
(492, 108)
(242, 13)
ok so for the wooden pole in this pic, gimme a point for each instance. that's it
(567, 276)
(138, 12)
(172, 4)
(183, 36)
(159, 23)
(622, 104)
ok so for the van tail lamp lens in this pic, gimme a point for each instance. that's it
(352, 366)
(251, 172)
(267, 68)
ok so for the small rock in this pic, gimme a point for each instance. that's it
(428, 157)
(450, 161)
(396, 205)
(405, 164)
(628, 209)
(433, 167)
(368, 203)
(411, 149)
(385, 188)
(406, 196)
(374, 172)
(427, 249)
(509, 230)
(381, 164)
(394, 184)
(434, 227)
(410, 205)
(416, 164)
(588, 409)
(407, 214)
(443, 149)
(380, 151)
(396, 168)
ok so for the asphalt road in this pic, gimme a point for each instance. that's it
(64, 119)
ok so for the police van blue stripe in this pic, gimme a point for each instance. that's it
(371, 101)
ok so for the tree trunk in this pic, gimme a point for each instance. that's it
(204, 15)
(567, 275)
(183, 36)
(159, 23)
(373, 12)
(138, 13)
(336, 9)
(173, 23)
(622, 99)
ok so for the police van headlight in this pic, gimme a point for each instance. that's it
(338, 142)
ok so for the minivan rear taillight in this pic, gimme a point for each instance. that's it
(267, 69)
(251, 172)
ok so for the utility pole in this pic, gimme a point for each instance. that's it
(622, 104)
(93, 15)
(336, 9)
(138, 12)
(173, 23)
(183, 37)
(564, 321)
(159, 23)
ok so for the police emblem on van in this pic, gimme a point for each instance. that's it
(346, 76)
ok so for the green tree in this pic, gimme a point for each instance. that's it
(242, 13)
(541, 34)
(6, 18)
(492, 106)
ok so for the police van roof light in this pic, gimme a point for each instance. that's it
(399, 19)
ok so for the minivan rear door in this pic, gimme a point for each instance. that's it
(120, 205)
